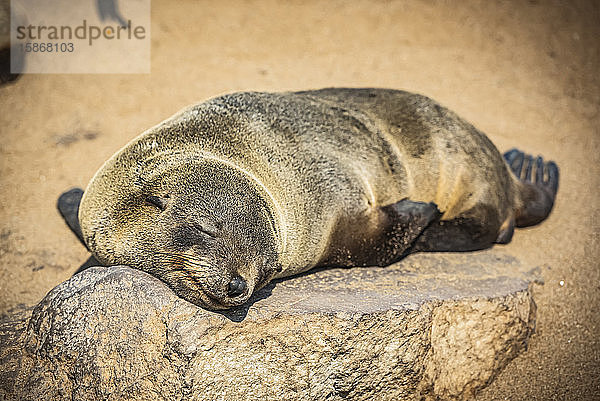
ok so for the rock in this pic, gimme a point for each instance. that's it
(12, 331)
(432, 326)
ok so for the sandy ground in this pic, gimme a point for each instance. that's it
(526, 73)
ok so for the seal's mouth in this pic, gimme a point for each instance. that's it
(194, 290)
(197, 281)
(189, 287)
(226, 300)
(207, 300)
(195, 293)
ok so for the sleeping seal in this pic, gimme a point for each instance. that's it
(228, 194)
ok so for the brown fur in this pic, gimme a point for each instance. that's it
(291, 181)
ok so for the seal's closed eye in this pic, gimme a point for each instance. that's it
(186, 235)
(205, 229)
(159, 202)
(208, 226)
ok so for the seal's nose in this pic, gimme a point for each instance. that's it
(237, 286)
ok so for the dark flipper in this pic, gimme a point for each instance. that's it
(68, 206)
(406, 220)
(379, 238)
(540, 184)
(477, 229)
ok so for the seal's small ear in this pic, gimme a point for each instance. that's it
(158, 201)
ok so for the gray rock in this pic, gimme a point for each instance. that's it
(432, 326)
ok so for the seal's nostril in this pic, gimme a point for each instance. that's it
(237, 286)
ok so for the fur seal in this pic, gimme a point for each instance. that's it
(228, 194)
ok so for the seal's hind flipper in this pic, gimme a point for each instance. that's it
(514, 158)
(68, 206)
(540, 184)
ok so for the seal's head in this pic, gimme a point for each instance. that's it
(200, 225)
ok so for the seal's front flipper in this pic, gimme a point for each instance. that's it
(68, 206)
(406, 220)
(473, 230)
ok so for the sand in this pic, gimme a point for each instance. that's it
(526, 73)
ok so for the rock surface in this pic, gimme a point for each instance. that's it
(432, 326)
